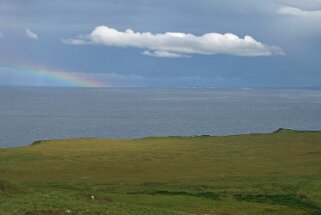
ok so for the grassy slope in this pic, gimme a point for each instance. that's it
(278, 173)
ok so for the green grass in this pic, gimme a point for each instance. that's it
(277, 173)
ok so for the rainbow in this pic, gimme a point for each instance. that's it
(44, 77)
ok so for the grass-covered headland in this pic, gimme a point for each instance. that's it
(277, 173)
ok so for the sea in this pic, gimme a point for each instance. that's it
(29, 114)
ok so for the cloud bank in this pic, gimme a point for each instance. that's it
(175, 44)
(30, 34)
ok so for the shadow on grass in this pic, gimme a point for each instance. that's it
(290, 200)
(49, 212)
(208, 195)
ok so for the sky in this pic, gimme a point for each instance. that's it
(152, 43)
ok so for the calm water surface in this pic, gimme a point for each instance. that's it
(29, 114)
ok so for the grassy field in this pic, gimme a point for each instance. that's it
(277, 173)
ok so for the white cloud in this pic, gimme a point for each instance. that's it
(310, 14)
(175, 44)
(30, 34)
(306, 4)
(298, 18)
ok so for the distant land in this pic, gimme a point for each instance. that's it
(276, 173)
(179, 87)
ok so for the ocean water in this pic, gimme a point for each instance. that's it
(30, 114)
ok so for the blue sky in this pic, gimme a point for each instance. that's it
(182, 43)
